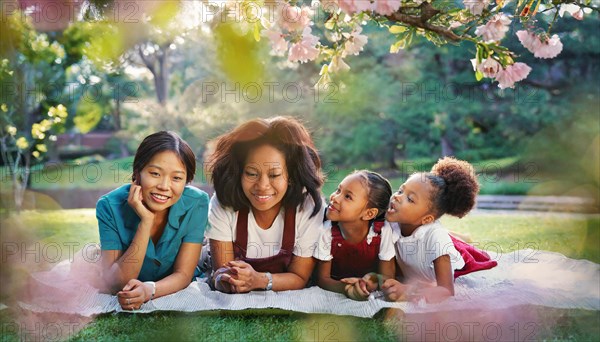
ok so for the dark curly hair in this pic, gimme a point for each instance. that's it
(287, 135)
(455, 187)
(160, 142)
(379, 191)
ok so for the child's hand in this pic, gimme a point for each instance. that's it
(372, 281)
(394, 290)
(356, 288)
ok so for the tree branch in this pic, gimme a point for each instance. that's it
(148, 63)
(427, 12)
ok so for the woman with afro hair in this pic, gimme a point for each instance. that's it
(428, 257)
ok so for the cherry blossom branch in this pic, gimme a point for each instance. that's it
(427, 12)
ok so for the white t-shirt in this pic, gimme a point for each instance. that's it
(415, 253)
(386, 247)
(264, 243)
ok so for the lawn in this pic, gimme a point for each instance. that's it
(573, 235)
(496, 176)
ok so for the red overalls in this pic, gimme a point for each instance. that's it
(354, 260)
(276, 263)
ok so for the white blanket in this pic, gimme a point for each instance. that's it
(521, 277)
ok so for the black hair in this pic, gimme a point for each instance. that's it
(455, 187)
(287, 135)
(164, 141)
(379, 191)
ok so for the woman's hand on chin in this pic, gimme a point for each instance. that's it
(135, 202)
(244, 278)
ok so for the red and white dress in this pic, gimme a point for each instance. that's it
(355, 260)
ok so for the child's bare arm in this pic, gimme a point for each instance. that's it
(387, 269)
(445, 281)
(324, 279)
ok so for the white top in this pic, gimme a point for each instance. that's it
(386, 247)
(264, 243)
(415, 253)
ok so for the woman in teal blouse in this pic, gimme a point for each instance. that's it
(151, 230)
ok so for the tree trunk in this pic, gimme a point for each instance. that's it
(161, 77)
(447, 149)
(117, 115)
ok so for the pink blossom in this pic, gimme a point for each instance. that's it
(294, 18)
(489, 67)
(354, 6)
(278, 42)
(513, 73)
(305, 50)
(495, 29)
(386, 7)
(575, 11)
(476, 7)
(354, 42)
(529, 40)
(549, 48)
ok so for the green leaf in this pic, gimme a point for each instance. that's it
(330, 24)
(478, 75)
(397, 29)
(401, 44)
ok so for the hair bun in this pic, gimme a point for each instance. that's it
(461, 185)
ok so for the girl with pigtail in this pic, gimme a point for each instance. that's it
(428, 257)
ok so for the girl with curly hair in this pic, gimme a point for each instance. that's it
(428, 257)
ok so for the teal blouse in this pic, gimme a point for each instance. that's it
(118, 222)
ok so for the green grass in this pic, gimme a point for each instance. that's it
(573, 235)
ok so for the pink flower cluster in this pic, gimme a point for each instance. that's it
(354, 42)
(495, 29)
(511, 74)
(547, 48)
(383, 7)
(476, 7)
(294, 18)
(293, 30)
(304, 50)
(506, 77)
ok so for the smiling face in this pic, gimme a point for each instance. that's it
(162, 180)
(410, 205)
(265, 178)
(348, 203)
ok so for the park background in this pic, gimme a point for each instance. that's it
(112, 82)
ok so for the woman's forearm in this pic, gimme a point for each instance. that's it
(128, 266)
(288, 281)
(172, 283)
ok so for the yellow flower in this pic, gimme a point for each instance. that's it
(41, 147)
(58, 111)
(12, 130)
(36, 154)
(22, 143)
(4, 107)
(37, 130)
(46, 125)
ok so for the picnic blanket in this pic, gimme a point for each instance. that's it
(521, 277)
